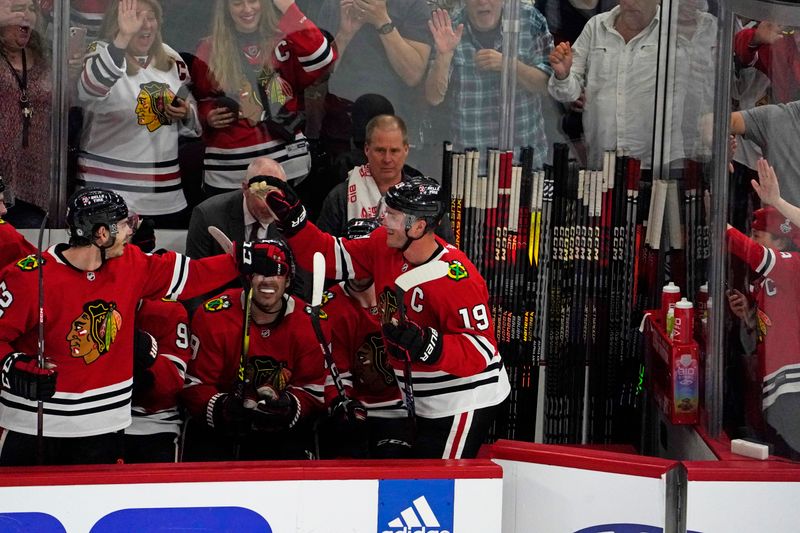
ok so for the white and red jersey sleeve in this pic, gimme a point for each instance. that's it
(344, 259)
(168, 323)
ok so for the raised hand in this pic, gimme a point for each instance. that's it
(351, 20)
(445, 38)
(9, 16)
(766, 33)
(561, 60)
(767, 186)
(372, 11)
(128, 19)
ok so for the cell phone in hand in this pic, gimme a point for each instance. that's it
(181, 95)
(229, 103)
(77, 41)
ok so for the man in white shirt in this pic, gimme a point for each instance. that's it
(613, 64)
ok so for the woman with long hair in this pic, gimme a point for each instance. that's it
(136, 106)
(26, 86)
(249, 77)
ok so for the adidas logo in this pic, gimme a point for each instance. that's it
(418, 518)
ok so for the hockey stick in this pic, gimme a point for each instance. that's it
(40, 354)
(316, 305)
(404, 283)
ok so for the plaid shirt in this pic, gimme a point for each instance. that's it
(476, 93)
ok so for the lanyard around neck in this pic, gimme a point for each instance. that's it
(24, 102)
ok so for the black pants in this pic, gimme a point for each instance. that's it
(18, 449)
(452, 437)
(156, 448)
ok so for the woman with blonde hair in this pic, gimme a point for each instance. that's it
(249, 77)
(134, 90)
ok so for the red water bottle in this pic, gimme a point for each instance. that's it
(684, 322)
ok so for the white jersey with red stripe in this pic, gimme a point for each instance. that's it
(128, 144)
(88, 319)
(469, 374)
(155, 410)
(301, 56)
(777, 293)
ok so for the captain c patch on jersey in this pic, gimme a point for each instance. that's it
(151, 105)
(94, 331)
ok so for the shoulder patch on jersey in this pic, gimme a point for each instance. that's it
(322, 314)
(327, 296)
(26, 264)
(3, 221)
(169, 300)
(92, 48)
(219, 303)
(457, 271)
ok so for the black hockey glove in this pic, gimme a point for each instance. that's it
(145, 353)
(145, 235)
(276, 414)
(290, 214)
(226, 413)
(345, 410)
(22, 376)
(408, 341)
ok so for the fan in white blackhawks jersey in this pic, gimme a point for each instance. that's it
(91, 289)
(456, 375)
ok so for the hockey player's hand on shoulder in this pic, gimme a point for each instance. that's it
(22, 376)
(290, 214)
(276, 413)
(409, 341)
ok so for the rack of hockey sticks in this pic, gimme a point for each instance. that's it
(569, 274)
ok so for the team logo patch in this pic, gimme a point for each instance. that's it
(94, 331)
(764, 323)
(92, 48)
(322, 314)
(217, 304)
(410, 505)
(26, 264)
(268, 376)
(370, 368)
(151, 105)
(456, 271)
(2, 222)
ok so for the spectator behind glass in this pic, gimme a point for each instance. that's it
(468, 64)
(135, 109)
(26, 85)
(250, 75)
(614, 63)
(774, 50)
(365, 108)
(384, 48)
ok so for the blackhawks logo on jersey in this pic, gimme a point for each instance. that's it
(764, 323)
(26, 264)
(217, 304)
(387, 303)
(457, 271)
(94, 331)
(268, 376)
(151, 105)
(322, 314)
(370, 368)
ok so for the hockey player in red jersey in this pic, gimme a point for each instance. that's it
(91, 289)
(448, 340)
(266, 404)
(13, 245)
(352, 312)
(771, 320)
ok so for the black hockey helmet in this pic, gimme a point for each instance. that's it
(271, 257)
(359, 228)
(419, 196)
(89, 209)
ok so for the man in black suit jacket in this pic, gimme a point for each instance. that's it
(242, 216)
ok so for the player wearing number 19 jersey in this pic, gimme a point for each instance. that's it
(456, 368)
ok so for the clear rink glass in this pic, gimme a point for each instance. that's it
(177, 125)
